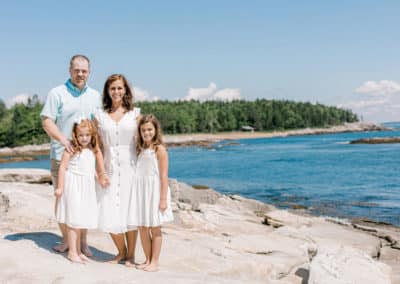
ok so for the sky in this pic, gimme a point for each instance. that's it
(339, 53)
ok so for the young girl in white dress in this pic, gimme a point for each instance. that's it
(77, 204)
(150, 203)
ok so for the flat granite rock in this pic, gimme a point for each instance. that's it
(25, 175)
(214, 239)
(340, 264)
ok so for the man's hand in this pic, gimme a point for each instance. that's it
(67, 145)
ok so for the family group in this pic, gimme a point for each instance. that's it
(109, 167)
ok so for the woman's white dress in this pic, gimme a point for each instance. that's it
(118, 140)
(77, 206)
(145, 197)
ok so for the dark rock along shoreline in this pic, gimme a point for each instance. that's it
(376, 140)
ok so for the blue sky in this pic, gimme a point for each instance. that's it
(342, 53)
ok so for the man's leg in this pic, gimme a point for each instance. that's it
(63, 228)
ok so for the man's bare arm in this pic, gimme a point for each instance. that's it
(52, 130)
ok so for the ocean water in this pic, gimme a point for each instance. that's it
(323, 173)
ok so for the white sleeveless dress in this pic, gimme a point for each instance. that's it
(145, 197)
(118, 140)
(77, 206)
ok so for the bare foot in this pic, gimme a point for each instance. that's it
(75, 259)
(84, 257)
(142, 265)
(130, 262)
(63, 247)
(151, 268)
(86, 251)
(117, 259)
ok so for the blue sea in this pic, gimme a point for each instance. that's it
(321, 172)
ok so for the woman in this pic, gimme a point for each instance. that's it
(117, 129)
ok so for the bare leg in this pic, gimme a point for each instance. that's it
(131, 238)
(146, 244)
(63, 247)
(84, 246)
(119, 241)
(156, 241)
(79, 247)
(74, 245)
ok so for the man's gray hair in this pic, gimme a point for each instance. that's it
(78, 56)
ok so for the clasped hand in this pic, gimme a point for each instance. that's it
(104, 180)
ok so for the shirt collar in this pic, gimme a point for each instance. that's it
(73, 89)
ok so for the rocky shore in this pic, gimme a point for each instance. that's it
(201, 139)
(215, 238)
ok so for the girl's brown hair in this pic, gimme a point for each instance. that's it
(157, 139)
(93, 132)
(127, 100)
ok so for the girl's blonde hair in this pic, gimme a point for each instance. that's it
(93, 132)
(157, 139)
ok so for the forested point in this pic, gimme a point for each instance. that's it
(21, 124)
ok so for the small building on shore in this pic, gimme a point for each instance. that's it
(247, 128)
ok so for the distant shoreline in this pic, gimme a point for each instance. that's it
(206, 139)
(197, 138)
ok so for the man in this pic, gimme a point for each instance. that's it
(63, 105)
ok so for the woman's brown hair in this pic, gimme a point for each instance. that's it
(93, 132)
(157, 139)
(127, 100)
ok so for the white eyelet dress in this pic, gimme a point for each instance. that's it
(118, 140)
(77, 206)
(145, 198)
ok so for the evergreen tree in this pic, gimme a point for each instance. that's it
(22, 125)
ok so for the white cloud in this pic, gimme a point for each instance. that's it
(228, 95)
(381, 105)
(143, 95)
(211, 93)
(18, 99)
(359, 105)
(201, 93)
(381, 88)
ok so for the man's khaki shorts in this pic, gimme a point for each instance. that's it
(54, 166)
